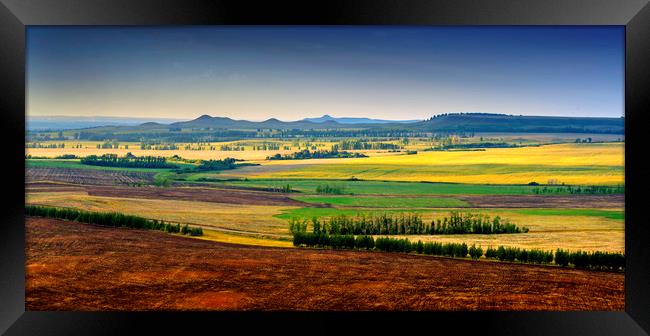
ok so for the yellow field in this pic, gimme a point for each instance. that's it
(249, 218)
(563, 163)
(242, 239)
(587, 233)
(90, 148)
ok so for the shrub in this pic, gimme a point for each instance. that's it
(475, 252)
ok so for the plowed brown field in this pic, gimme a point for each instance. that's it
(73, 266)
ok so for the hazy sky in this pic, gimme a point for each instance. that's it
(290, 73)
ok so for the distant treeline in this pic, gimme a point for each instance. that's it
(39, 145)
(320, 154)
(361, 144)
(330, 189)
(128, 161)
(406, 224)
(215, 165)
(225, 164)
(110, 219)
(588, 190)
(480, 145)
(589, 260)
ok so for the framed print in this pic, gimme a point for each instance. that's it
(469, 165)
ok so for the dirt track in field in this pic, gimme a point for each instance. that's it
(72, 266)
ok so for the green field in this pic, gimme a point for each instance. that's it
(307, 213)
(385, 202)
(610, 214)
(392, 188)
(42, 163)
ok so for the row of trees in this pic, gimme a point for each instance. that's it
(114, 219)
(330, 189)
(155, 146)
(128, 161)
(594, 260)
(40, 145)
(361, 144)
(588, 190)
(225, 164)
(408, 224)
(319, 154)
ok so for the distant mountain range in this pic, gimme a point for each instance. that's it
(491, 122)
(65, 122)
(356, 120)
(452, 122)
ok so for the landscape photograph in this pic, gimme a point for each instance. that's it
(335, 168)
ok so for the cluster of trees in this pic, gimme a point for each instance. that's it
(225, 164)
(595, 260)
(534, 256)
(362, 144)
(319, 154)
(588, 190)
(409, 224)
(227, 148)
(128, 161)
(283, 189)
(480, 145)
(330, 189)
(154, 146)
(268, 146)
(592, 260)
(66, 156)
(40, 145)
(109, 145)
(110, 219)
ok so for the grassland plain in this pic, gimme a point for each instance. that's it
(572, 229)
(385, 202)
(90, 148)
(388, 187)
(44, 163)
(585, 229)
(598, 163)
(257, 219)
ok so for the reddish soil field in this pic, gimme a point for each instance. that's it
(72, 266)
(541, 201)
(201, 194)
(198, 194)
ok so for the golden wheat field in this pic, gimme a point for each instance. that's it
(589, 233)
(601, 163)
(250, 218)
(547, 232)
(90, 148)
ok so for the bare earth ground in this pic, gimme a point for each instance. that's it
(541, 201)
(72, 266)
(256, 197)
(86, 176)
(200, 194)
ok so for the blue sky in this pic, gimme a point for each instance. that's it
(290, 73)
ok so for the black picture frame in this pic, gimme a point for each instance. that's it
(15, 15)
